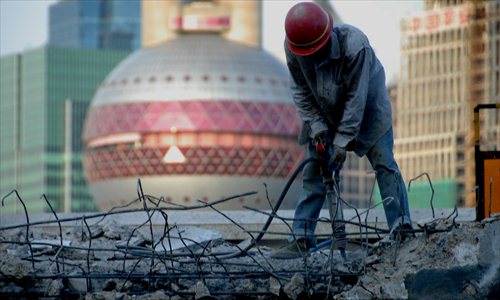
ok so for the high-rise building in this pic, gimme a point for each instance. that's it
(96, 24)
(44, 95)
(450, 62)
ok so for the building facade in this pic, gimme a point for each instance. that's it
(450, 62)
(44, 95)
(96, 24)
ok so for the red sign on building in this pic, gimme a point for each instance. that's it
(439, 19)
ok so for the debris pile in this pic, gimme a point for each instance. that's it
(105, 264)
(463, 263)
(113, 261)
(102, 259)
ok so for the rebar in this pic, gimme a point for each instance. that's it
(27, 222)
(157, 266)
(60, 232)
(432, 189)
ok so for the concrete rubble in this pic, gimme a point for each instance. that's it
(458, 261)
(447, 265)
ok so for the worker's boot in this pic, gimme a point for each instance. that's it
(293, 249)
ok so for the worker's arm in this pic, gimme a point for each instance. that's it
(307, 106)
(356, 80)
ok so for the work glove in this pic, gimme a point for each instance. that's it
(332, 154)
(323, 144)
(337, 158)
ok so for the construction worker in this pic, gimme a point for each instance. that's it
(338, 87)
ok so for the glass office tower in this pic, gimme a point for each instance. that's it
(96, 24)
(44, 95)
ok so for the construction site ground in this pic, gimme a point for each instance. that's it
(203, 255)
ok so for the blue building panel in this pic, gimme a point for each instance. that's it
(95, 24)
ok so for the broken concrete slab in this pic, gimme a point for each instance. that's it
(14, 268)
(393, 290)
(489, 257)
(114, 230)
(54, 288)
(449, 250)
(489, 244)
(132, 242)
(81, 232)
(200, 290)
(78, 285)
(295, 287)
(19, 251)
(182, 238)
(441, 283)
(355, 293)
(274, 286)
(45, 244)
(465, 254)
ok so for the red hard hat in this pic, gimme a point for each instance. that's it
(308, 27)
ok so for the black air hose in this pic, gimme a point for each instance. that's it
(275, 209)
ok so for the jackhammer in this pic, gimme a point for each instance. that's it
(331, 179)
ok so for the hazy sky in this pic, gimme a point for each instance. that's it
(24, 25)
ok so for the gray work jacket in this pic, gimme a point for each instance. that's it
(343, 92)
